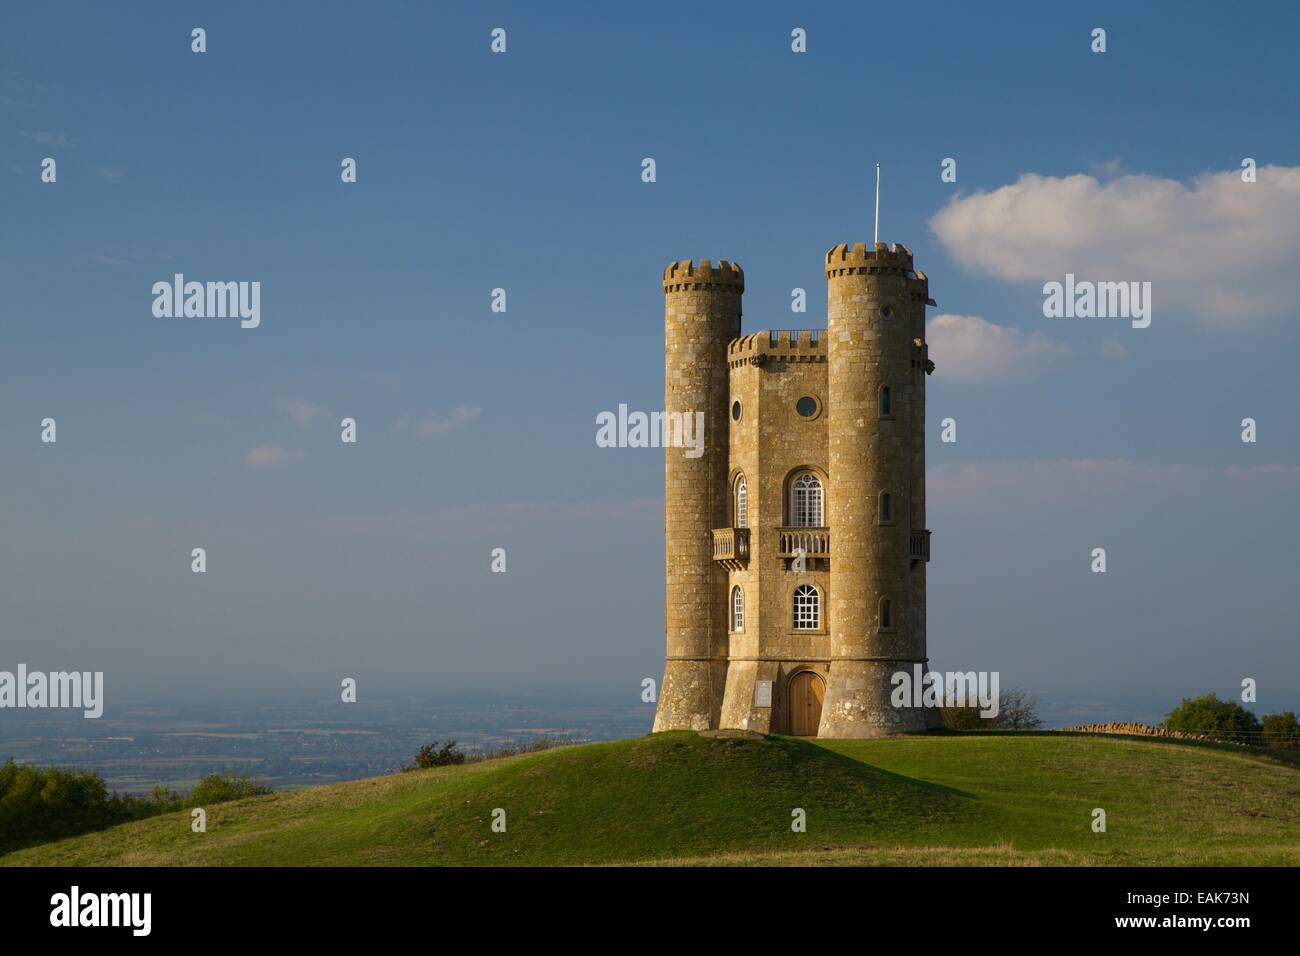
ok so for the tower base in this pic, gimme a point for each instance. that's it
(858, 705)
(690, 696)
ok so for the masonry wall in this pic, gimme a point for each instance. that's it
(769, 443)
(875, 327)
(702, 308)
(874, 339)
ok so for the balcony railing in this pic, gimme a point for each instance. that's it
(918, 547)
(813, 542)
(731, 547)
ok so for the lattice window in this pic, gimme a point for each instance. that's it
(807, 608)
(806, 501)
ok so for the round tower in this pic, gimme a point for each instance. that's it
(876, 420)
(701, 316)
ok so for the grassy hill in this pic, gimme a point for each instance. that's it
(683, 798)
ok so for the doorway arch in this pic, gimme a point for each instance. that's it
(806, 692)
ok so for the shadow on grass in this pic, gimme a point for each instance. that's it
(807, 749)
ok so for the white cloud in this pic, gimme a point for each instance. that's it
(971, 351)
(456, 419)
(299, 410)
(271, 456)
(1217, 247)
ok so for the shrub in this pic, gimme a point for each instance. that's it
(446, 756)
(220, 788)
(40, 804)
(1224, 719)
(1282, 730)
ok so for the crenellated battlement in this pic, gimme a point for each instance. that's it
(780, 345)
(685, 276)
(884, 259)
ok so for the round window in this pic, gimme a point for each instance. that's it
(735, 410)
(806, 406)
(886, 311)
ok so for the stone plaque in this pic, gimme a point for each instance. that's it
(763, 693)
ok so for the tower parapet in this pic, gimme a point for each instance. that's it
(778, 345)
(686, 276)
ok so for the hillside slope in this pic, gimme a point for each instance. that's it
(963, 799)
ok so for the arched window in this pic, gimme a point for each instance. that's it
(886, 614)
(806, 501)
(737, 609)
(886, 508)
(742, 503)
(886, 402)
(807, 608)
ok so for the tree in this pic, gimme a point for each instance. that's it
(1281, 730)
(1017, 710)
(1224, 719)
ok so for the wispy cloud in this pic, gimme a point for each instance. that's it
(271, 456)
(45, 138)
(458, 418)
(1113, 349)
(300, 411)
(971, 351)
(15, 90)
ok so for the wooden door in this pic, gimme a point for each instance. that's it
(806, 692)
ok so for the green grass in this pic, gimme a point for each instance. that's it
(681, 798)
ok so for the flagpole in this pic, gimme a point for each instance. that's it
(877, 238)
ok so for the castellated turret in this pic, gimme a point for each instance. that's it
(875, 321)
(701, 315)
(796, 543)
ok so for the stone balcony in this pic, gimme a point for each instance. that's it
(811, 542)
(731, 547)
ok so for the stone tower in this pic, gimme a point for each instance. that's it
(875, 320)
(796, 542)
(701, 315)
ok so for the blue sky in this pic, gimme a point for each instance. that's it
(476, 430)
